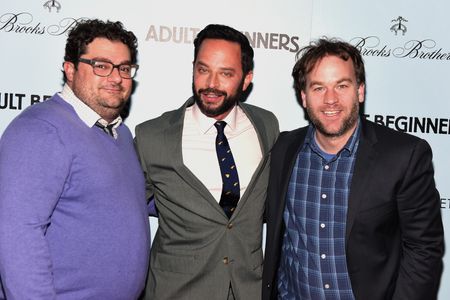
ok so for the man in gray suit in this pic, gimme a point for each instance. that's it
(208, 244)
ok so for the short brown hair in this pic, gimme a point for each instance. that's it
(308, 57)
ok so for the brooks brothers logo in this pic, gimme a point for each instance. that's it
(422, 49)
(399, 26)
(52, 4)
(186, 35)
(24, 23)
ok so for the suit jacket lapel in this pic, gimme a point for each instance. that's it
(290, 156)
(259, 126)
(362, 172)
(173, 140)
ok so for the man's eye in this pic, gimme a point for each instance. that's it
(102, 66)
(125, 68)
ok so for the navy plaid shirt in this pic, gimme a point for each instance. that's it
(313, 262)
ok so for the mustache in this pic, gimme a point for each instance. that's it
(212, 91)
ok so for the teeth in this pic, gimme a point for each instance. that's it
(330, 113)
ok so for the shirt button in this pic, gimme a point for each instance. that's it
(326, 167)
(323, 256)
(225, 260)
(324, 196)
(322, 225)
(327, 286)
(230, 225)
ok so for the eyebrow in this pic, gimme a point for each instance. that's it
(221, 68)
(338, 82)
(104, 59)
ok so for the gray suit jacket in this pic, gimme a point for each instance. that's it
(197, 251)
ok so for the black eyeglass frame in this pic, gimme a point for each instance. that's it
(93, 62)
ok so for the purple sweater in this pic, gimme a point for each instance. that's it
(73, 215)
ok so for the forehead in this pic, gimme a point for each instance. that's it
(332, 66)
(219, 50)
(103, 47)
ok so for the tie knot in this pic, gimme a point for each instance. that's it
(108, 128)
(220, 125)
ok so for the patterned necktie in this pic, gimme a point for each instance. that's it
(230, 180)
(108, 128)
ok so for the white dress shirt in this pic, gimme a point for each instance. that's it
(85, 113)
(199, 149)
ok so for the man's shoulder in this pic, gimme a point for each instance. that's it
(52, 104)
(52, 112)
(289, 139)
(41, 126)
(258, 111)
(159, 122)
(295, 134)
(264, 120)
(385, 135)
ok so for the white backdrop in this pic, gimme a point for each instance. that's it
(407, 70)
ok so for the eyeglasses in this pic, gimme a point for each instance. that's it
(105, 68)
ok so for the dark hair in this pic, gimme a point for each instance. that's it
(310, 55)
(223, 32)
(86, 31)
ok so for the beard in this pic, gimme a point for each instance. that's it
(228, 102)
(347, 124)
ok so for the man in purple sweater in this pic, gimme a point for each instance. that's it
(73, 217)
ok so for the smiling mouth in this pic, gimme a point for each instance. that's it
(212, 94)
(113, 90)
(331, 113)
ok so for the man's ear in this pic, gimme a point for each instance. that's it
(69, 70)
(247, 80)
(303, 95)
(361, 92)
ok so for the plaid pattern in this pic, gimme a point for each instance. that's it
(313, 263)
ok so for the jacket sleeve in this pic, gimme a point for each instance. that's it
(421, 226)
(138, 142)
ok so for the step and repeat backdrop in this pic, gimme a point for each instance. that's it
(405, 46)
